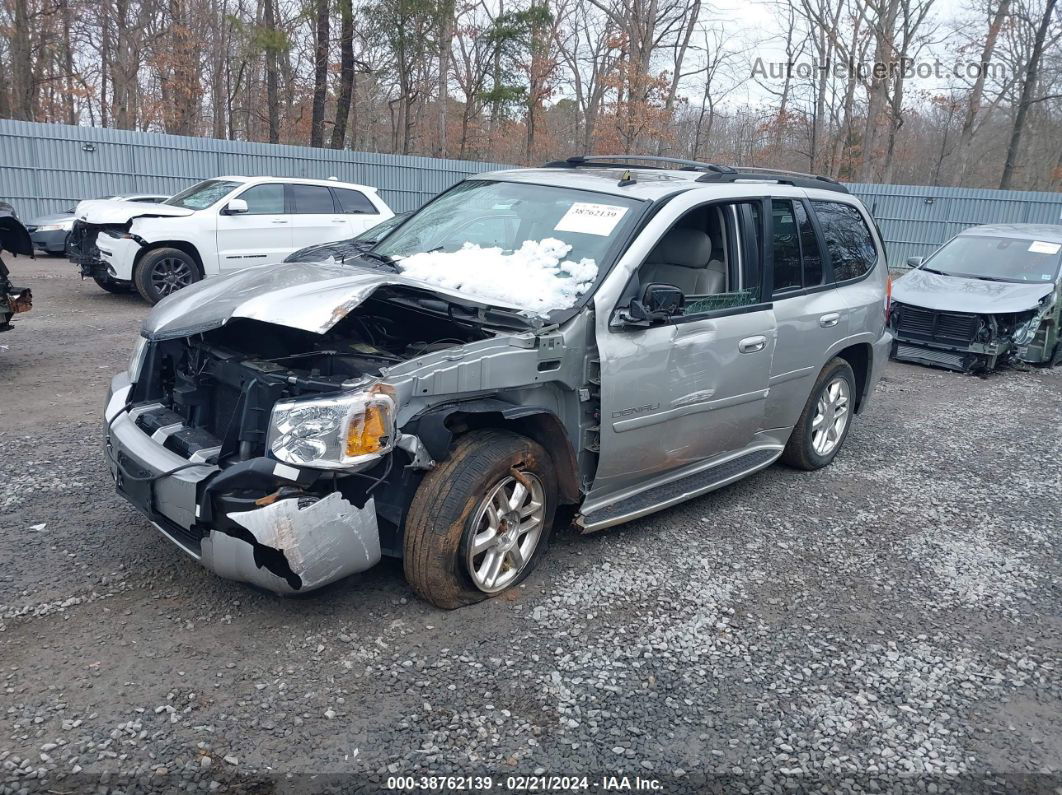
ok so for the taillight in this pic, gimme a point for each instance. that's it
(888, 298)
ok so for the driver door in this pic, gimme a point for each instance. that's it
(683, 391)
(260, 236)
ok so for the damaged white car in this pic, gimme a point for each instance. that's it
(592, 335)
(991, 295)
(215, 227)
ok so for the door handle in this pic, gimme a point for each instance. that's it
(279, 221)
(338, 221)
(752, 344)
(830, 319)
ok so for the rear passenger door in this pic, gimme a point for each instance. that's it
(357, 210)
(811, 315)
(315, 218)
(852, 256)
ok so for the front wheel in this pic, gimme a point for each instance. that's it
(480, 521)
(163, 272)
(823, 425)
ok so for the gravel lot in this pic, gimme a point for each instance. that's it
(893, 619)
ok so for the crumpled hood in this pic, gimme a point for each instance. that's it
(311, 296)
(959, 294)
(114, 211)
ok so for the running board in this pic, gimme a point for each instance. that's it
(676, 491)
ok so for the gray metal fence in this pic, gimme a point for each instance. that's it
(49, 167)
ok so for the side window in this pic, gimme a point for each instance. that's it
(706, 256)
(797, 259)
(848, 240)
(264, 200)
(312, 199)
(785, 241)
(809, 248)
(354, 202)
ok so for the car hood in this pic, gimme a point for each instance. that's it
(311, 296)
(54, 218)
(959, 294)
(116, 211)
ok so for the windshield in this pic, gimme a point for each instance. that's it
(206, 193)
(534, 247)
(997, 258)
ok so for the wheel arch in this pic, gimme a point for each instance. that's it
(438, 427)
(860, 358)
(180, 245)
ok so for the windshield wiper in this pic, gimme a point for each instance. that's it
(381, 258)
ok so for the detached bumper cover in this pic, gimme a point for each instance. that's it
(287, 545)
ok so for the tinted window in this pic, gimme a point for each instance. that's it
(312, 199)
(848, 240)
(809, 248)
(353, 202)
(786, 242)
(264, 200)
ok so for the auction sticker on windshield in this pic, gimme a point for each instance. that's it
(591, 219)
(1040, 247)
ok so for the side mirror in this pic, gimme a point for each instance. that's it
(658, 304)
(914, 262)
(235, 207)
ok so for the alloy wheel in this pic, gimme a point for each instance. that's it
(831, 416)
(507, 524)
(171, 274)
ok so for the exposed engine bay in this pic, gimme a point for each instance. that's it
(221, 385)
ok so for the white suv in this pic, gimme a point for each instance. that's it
(219, 226)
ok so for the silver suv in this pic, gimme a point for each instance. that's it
(592, 334)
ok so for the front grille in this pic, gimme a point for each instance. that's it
(951, 328)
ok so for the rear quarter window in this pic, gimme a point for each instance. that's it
(353, 202)
(849, 242)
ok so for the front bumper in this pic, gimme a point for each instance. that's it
(961, 358)
(262, 530)
(118, 255)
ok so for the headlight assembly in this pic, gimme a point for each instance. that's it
(136, 360)
(62, 226)
(333, 432)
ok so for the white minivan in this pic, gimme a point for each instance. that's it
(218, 226)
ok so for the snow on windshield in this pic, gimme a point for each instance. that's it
(535, 276)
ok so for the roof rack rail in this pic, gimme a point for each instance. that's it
(795, 178)
(620, 161)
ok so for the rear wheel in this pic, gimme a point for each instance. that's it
(163, 272)
(823, 425)
(113, 285)
(481, 520)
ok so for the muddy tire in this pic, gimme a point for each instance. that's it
(113, 285)
(164, 271)
(474, 516)
(823, 426)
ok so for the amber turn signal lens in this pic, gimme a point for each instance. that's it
(369, 432)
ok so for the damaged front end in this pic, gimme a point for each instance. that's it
(974, 343)
(271, 453)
